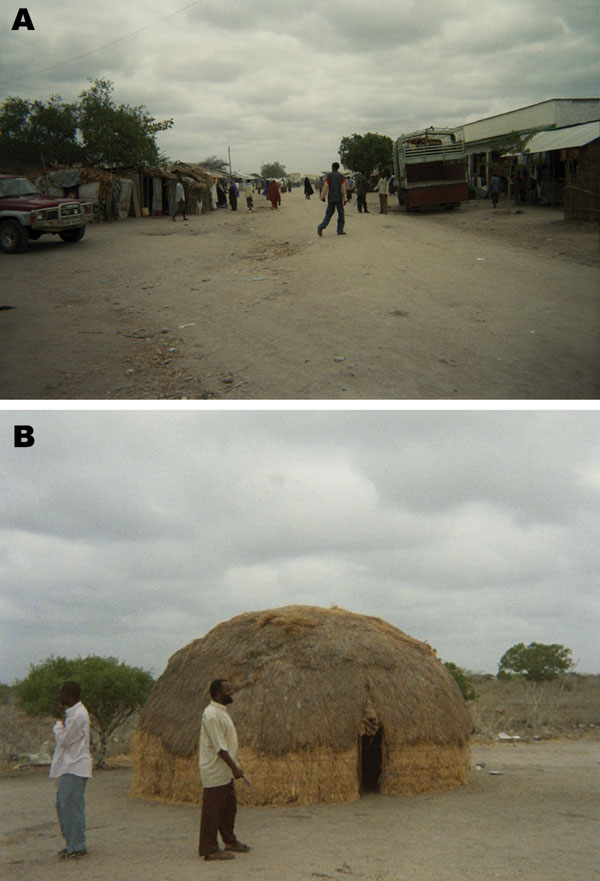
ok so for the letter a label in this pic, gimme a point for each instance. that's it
(23, 20)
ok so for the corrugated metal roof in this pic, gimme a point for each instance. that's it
(563, 138)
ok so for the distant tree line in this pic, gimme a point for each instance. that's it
(92, 131)
(534, 663)
(112, 691)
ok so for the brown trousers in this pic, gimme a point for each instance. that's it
(219, 807)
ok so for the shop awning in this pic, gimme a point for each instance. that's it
(563, 138)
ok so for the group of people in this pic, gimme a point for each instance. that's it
(218, 766)
(221, 193)
(334, 189)
(335, 193)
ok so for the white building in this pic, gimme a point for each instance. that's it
(483, 136)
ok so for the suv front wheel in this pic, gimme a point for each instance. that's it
(14, 238)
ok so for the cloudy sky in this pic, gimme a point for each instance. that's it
(132, 533)
(285, 80)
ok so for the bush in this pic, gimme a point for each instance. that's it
(461, 679)
(110, 690)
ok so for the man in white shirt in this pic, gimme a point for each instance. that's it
(218, 768)
(72, 766)
(179, 200)
(383, 188)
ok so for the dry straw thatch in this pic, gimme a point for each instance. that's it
(315, 689)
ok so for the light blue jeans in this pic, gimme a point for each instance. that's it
(70, 807)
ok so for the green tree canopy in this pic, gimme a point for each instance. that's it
(117, 135)
(35, 134)
(94, 131)
(111, 691)
(366, 153)
(535, 662)
(462, 680)
(272, 169)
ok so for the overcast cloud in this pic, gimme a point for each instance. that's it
(131, 533)
(283, 80)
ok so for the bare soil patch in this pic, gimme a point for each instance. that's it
(467, 304)
(529, 811)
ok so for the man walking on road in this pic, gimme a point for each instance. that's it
(494, 188)
(218, 768)
(334, 192)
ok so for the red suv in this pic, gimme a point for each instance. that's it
(26, 213)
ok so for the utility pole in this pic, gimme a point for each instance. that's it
(229, 154)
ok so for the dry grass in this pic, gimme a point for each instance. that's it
(309, 682)
(291, 666)
(567, 707)
(306, 777)
(415, 768)
(22, 735)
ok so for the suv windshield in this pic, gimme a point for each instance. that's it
(17, 186)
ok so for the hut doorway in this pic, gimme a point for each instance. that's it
(370, 761)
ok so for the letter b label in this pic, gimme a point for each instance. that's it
(24, 436)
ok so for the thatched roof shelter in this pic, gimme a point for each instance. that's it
(327, 704)
(194, 172)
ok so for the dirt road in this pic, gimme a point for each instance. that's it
(469, 304)
(536, 820)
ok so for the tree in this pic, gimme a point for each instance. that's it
(34, 133)
(214, 163)
(461, 679)
(272, 169)
(53, 130)
(111, 690)
(366, 153)
(117, 136)
(509, 145)
(536, 662)
(94, 131)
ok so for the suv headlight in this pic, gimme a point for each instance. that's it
(45, 214)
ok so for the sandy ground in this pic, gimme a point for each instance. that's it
(464, 304)
(536, 821)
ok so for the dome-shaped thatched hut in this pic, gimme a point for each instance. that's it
(327, 704)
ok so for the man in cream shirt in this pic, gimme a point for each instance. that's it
(72, 766)
(218, 768)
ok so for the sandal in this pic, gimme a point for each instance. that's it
(238, 847)
(219, 855)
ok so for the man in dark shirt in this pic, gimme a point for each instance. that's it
(334, 192)
(362, 186)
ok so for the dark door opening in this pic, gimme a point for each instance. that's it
(371, 753)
